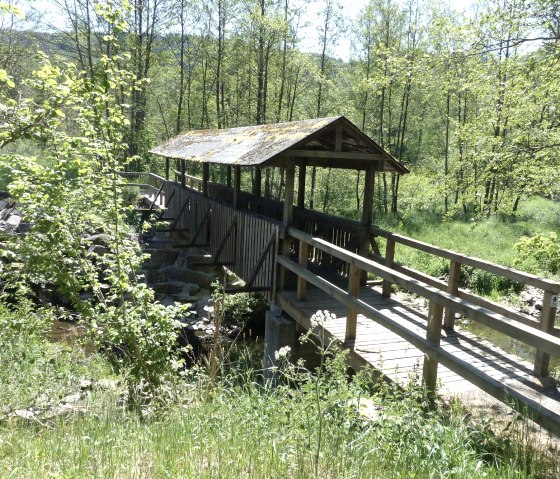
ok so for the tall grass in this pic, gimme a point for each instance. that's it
(243, 429)
(488, 238)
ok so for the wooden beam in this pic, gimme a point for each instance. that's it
(351, 314)
(452, 288)
(338, 155)
(258, 181)
(183, 171)
(548, 315)
(288, 215)
(369, 188)
(261, 260)
(389, 262)
(205, 178)
(228, 175)
(301, 283)
(301, 186)
(338, 138)
(167, 167)
(287, 219)
(232, 227)
(237, 187)
(433, 334)
(367, 213)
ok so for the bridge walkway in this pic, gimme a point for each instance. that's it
(399, 361)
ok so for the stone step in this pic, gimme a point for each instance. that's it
(169, 287)
(160, 258)
(193, 257)
(171, 273)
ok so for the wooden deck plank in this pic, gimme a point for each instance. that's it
(398, 360)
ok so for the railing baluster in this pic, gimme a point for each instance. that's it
(389, 262)
(351, 314)
(433, 334)
(548, 315)
(301, 283)
(452, 288)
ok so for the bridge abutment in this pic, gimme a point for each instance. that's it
(282, 331)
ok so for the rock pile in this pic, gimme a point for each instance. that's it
(531, 301)
(11, 220)
(184, 276)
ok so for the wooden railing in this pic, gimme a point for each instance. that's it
(340, 231)
(244, 242)
(152, 186)
(438, 300)
(549, 288)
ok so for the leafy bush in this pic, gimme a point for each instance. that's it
(538, 254)
(244, 309)
(483, 282)
(74, 191)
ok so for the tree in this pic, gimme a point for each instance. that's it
(72, 191)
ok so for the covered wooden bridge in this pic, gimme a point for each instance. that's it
(306, 260)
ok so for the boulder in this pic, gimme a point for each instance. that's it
(160, 258)
(98, 239)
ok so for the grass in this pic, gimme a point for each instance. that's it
(491, 239)
(240, 428)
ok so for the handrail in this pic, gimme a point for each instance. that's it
(499, 322)
(510, 273)
(434, 351)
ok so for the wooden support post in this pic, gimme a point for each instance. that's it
(452, 288)
(258, 181)
(433, 334)
(338, 138)
(367, 213)
(167, 167)
(354, 290)
(237, 187)
(301, 283)
(288, 214)
(548, 315)
(228, 175)
(183, 173)
(301, 186)
(205, 178)
(389, 262)
(369, 187)
(287, 219)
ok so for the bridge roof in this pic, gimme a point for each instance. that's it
(327, 142)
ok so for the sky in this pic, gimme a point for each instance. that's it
(353, 7)
(309, 42)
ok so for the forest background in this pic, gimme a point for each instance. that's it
(468, 102)
(466, 99)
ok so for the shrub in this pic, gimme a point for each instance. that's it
(245, 309)
(538, 254)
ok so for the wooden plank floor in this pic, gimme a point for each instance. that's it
(398, 360)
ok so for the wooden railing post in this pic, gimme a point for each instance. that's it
(452, 288)
(237, 187)
(287, 220)
(205, 179)
(354, 290)
(167, 167)
(433, 334)
(548, 315)
(301, 283)
(389, 262)
(183, 179)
